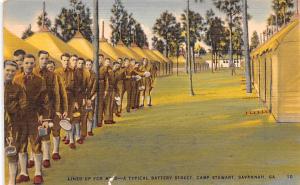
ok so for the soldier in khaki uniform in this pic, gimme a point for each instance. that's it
(54, 105)
(147, 81)
(18, 57)
(63, 103)
(66, 73)
(120, 87)
(82, 77)
(91, 96)
(101, 84)
(14, 104)
(111, 91)
(35, 112)
(127, 83)
(135, 84)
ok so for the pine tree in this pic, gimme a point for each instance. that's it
(66, 23)
(163, 28)
(27, 33)
(254, 41)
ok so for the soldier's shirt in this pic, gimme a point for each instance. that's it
(52, 86)
(63, 95)
(92, 84)
(14, 102)
(112, 80)
(36, 93)
(67, 76)
(81, 82)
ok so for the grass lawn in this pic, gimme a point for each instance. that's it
(205, 135)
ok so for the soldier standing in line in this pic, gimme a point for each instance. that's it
(136, 83)
(63, 105)
(127, 84)
(66, 73)
(54, 105)
(14, 105)
(35, 112)
(90, 97)
(18, 57)
(147, 81)
(102, 86)
(111, 91)
(121, 76)
(81, 88)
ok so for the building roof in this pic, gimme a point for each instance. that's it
(82, 45)
(275, 40)
(55, 46)
(12, 43)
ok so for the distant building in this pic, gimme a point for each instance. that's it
(225, 63)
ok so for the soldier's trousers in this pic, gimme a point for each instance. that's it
(109, 105)
(30, 132)
(83, 116)
(134, 94)
(128, 89)
(55, 130)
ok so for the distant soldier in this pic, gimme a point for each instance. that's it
(148, 81)
(35, 112)
(90, 96)
(119, 75)
(127, 84)
(14, 105)
(102, 85)
(81, 83)
(110, 91)
(19, 58)
(121, 86)
(135, 85)
(66, 73)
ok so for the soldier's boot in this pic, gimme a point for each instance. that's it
(67, 139)
(13, 169)
(55, 153)
(31, 160)
(46, 154)
(90, 127)
(38, 178)
(149, 101)
(23, 177)
(78, 138)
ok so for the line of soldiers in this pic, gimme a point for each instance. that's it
(39, 96)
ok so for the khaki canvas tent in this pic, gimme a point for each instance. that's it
(165, 59)
(82, 45)
(275, 71)
(110, 50)
(160, 62)
(12, 43)
(129, 53)
(44, 40)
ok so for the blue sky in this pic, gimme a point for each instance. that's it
(18, 14)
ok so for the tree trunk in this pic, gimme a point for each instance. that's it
(177, 55)
(212, 61)
(246, 48)
(189, 48)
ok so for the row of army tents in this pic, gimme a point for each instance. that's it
(45, 40)
(275, 70)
